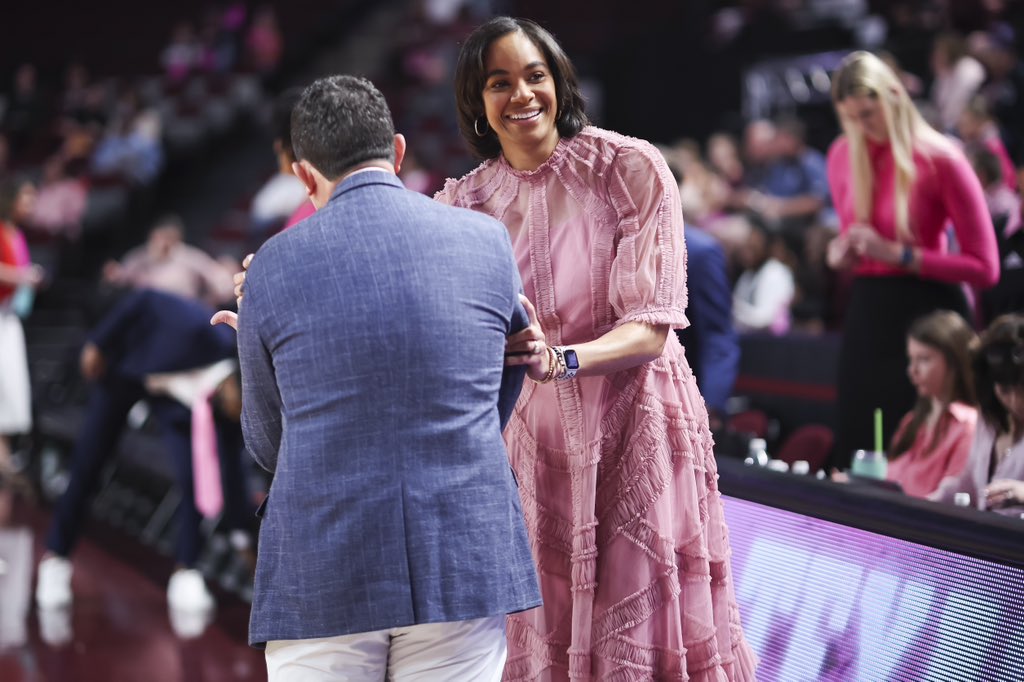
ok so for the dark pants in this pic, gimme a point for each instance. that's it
(873, 355)
(109, 403)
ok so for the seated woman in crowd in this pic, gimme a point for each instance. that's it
(994, 474)
(934, 439)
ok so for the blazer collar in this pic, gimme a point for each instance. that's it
(370, 177)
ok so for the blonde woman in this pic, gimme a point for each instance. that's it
(896, 185)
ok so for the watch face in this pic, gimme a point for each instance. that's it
(571, 361)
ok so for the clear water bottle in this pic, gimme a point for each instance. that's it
(758, 452)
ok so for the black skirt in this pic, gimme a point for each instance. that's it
(873, 355)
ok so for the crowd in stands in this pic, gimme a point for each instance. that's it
(96, 146)
(81, 166)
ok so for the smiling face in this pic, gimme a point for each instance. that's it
(928, 370)
(864, 112)
(520, 101)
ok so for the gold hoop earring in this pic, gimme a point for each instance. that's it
(476, 127)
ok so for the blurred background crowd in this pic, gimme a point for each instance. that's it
(156, 157)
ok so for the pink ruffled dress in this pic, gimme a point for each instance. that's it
(616, 472)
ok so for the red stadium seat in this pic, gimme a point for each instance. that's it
(752, 422)
(811, 443)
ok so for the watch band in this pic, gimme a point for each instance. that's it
(907, 256)
(569, 362)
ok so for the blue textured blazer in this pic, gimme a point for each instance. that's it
(371, 341)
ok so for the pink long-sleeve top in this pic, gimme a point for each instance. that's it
(944, 190)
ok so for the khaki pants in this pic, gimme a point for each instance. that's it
(434, 652)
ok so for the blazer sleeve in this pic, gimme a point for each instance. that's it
(261, 397)
(512, 377)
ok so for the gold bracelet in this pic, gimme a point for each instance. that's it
(551, 367)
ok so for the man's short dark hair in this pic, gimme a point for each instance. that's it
(340, 122)
(470, 77)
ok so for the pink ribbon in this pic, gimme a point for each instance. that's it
(206, 483)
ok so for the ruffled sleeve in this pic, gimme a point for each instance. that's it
(446, 195)
(647, 282)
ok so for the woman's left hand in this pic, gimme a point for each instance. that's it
(866, 242)
(529, 346)
(1004, 493)
(226, 316)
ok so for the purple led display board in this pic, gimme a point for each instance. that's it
(825, 602)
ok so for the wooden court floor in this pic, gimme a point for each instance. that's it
(118, 629)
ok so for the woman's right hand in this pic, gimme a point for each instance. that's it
(838, 476)
(226, 316)
(1004, 493)
(528, 346)
(840, 256)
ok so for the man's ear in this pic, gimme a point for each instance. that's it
(304, 172)
(399, 151)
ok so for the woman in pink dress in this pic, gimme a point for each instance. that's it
(610, 441)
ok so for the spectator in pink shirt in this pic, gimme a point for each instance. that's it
(934, 439)
(896, 185)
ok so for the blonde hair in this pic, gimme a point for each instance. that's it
(863, 74)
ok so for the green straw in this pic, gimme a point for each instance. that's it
(878, 429)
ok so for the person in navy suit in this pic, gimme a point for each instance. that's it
(149, 332)
(710, 341)
(372, 342)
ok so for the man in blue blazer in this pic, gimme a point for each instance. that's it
(371, 341)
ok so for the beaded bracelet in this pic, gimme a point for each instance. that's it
(552, 363)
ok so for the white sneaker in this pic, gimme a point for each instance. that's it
(55, 625)
(53, 588)
(187, 591)
(189, 624)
